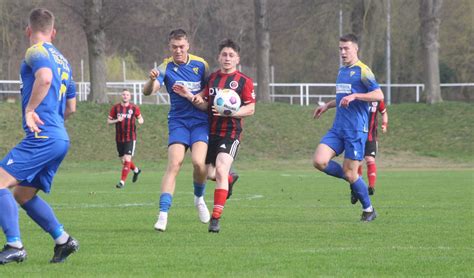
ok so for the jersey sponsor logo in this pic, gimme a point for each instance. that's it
(196, 70)
(343, 88)
(10, 162)
(234, 84)
(213, 91)
(192, 86)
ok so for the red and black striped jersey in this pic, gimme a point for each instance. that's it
(125, 131)
(243, 85)
(375, 107)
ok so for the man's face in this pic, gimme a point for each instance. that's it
(179, 49)
(228, 59)
(126, 96)
(348, 52)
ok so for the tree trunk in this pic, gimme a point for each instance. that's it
(364, 21)
(430, 11)
(262, 36)
(95, 34)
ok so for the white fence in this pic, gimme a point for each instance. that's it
(294, 93)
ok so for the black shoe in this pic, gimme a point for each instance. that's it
(354, 198)
(135, 175)
(61, 252)
(235, 177)
(11, 254)
(214, 226)
(368, 216)
(371, 190)
(120, 185)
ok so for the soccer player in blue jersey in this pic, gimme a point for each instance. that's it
(48, 94)
(355, 88)
(188, 127)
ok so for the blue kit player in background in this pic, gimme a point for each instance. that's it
(48, 95)
(355, 88)
(188, 127)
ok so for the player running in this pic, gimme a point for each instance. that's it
(47, 96)
(188, 126)
(355, 88)
(225, 131)
(123, 115)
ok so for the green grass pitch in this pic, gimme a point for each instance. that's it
(287, 223)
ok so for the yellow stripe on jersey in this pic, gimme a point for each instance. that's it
(35, 51)
(365, 72)
(40, 136)
(199, 59)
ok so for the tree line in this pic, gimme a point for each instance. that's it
(299, 38)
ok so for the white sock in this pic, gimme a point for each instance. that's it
(136, 170)
(369, 209)
(16, 244)
(62, 238)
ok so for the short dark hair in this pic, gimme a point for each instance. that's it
(349, 38)
(229, 43)
(177, 34)
(41, 20)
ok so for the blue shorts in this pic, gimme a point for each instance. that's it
(352, 143)
(187, 132)
(34, 162)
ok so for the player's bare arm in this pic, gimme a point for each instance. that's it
(112, 121)
(152, 85)
(375, 95)
(384, 122)
(244, 111)
(321, 109)
(183, 91)
(140, 119)
(43, 78)
(70, 107)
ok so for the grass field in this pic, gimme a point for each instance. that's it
(287, 223)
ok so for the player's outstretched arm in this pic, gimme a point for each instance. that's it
(43, 79)
(375, 95)
(244, 111)
(321, 109)
(152, 85)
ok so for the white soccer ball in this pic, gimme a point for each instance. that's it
(227, 102)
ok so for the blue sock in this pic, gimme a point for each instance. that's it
(360, 189)
(334, 169)
(43, 215)
(165, 202)
(9, 216)
(199, 189)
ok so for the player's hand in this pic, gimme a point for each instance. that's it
(154, 73)
(197, 99)
(215, 113)
(384, 128)
(319, 111)
(119, 118)
(345, 101)
(32, 120)
(183, 91)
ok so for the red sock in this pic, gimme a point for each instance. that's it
(371, 173)
(125, 170)
(230, 179)
(220, 196)
(132, 166)
(359, 171)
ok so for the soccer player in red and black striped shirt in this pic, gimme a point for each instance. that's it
(225, 130)
(123, 115)
(371, 145)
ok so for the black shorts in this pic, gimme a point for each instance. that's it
(371, 148)
(218, 145)
(124, 148)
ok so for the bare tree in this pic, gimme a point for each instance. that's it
(263, 50)
(430, 11)
(94, 26)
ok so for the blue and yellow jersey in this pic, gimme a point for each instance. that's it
(357, 78)
(51, 109)
(193, 75)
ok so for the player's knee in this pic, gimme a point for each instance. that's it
(351, 176)
(21, 198)
(319, 163)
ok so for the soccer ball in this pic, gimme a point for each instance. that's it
(227, 102)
